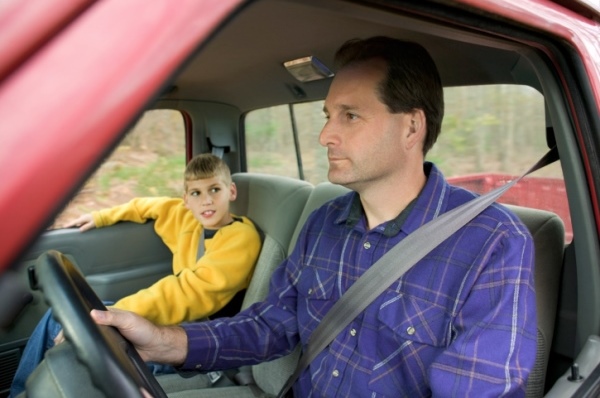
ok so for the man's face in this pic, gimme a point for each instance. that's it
(365, 142)
(208, 199)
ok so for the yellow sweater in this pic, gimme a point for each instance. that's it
(196, 289)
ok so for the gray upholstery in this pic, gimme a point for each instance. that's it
(546, 228)
(270, 376)
(548, 233)
(50, 380)
(273, 202)
(322, 193)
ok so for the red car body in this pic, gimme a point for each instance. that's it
(53, 132)
(75, 74)
(46, 146)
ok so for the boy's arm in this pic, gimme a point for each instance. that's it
(199, 291)
(138, 210)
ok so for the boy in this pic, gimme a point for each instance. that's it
(214, 253)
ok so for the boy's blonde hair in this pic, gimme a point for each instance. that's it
(206, 165)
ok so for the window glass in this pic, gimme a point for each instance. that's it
(490, 135)
(499, 129)
(149, 161)
(310, 120)
(271, 146)
(270, 142)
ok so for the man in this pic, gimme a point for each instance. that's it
(460, 323)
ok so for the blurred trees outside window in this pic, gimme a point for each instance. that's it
(149, 161)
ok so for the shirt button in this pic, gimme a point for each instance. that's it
(410, 330)
(367, 245)
(353, 332)
(310, 291)
(335, 373)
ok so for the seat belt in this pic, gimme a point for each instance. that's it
(200, 252)
(393, 264)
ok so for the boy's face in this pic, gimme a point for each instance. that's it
(208, 200)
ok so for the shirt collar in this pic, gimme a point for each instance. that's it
(428, 205)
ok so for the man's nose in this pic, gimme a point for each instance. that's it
(328, 135)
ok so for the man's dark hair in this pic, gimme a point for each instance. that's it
(412, 81)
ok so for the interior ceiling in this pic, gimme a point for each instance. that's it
(244, 60)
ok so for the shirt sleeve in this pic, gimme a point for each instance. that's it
(493, 342)
(199, 291)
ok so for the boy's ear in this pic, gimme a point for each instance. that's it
(185, 199)
(232, 192)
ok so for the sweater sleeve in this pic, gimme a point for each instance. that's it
(199, 291)
(137, 210)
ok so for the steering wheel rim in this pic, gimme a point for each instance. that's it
(113, 363)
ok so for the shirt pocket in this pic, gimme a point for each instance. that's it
(411, 334)
(316, 295)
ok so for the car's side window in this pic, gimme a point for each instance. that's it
(149, 161)
(490, 135)
(284, 140)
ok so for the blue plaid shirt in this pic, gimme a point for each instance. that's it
(460, 323)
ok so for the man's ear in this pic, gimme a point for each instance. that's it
(232, 192)
(417, 129)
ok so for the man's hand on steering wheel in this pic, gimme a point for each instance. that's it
(164, 344)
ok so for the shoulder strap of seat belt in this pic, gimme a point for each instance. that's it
(200, 252)
(393, 264)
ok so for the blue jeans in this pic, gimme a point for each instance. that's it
(41, 340)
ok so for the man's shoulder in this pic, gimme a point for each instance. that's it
(496, 215)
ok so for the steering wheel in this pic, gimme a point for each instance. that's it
(113, 363)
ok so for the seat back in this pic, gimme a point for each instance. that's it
(548, 232)
(323, 192)
(271, 376)
(274, 204)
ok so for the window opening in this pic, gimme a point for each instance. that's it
(149, 161)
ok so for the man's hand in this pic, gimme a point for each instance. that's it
(85, 223)
(163, 344)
